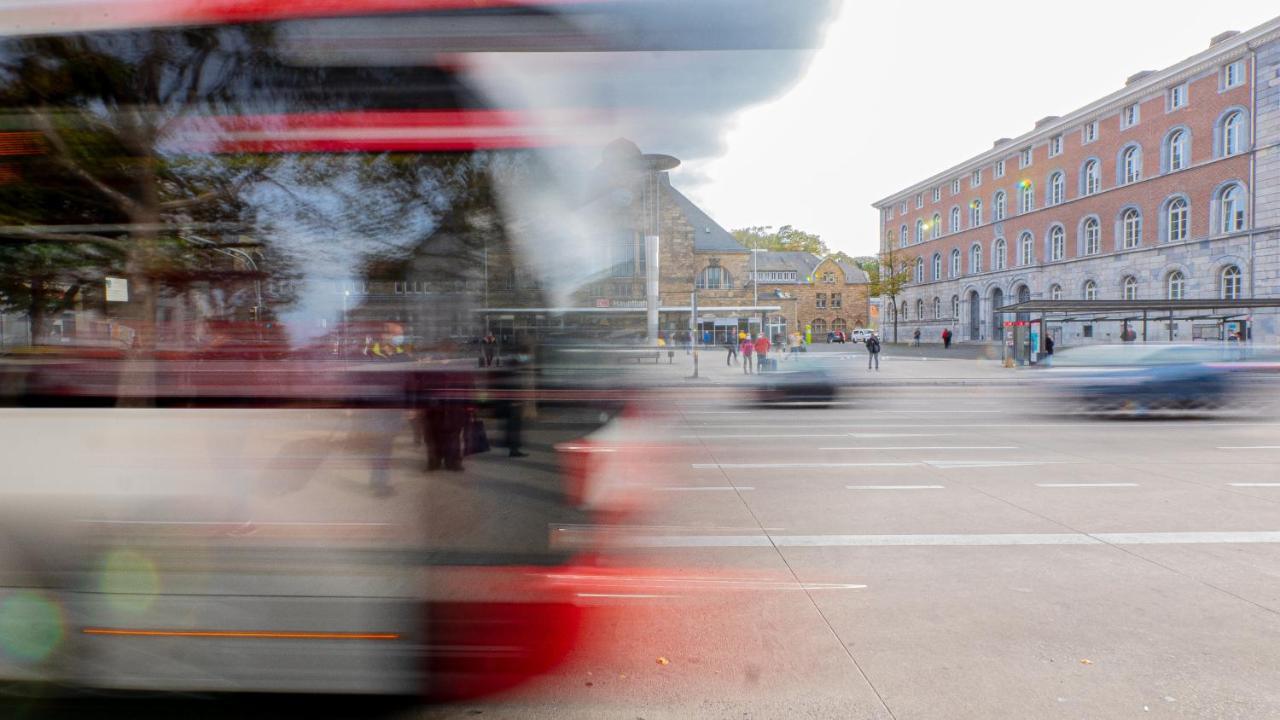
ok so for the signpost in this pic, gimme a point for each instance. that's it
(117, 290)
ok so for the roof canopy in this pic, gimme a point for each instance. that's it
(1139, 306)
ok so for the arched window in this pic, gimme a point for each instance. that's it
(889, 238)
(1233, 133)
(1055, 292)
(955, 262)
(715, 278)
(1175, 284)
(1131, 228)
(1092, 177)
(1090, 290)
(937, 308)
(1231, 210)
(919, 270)
(975, 213)
(1129, 288)
(998, 254)
(1130, 165)
(1057, 243)
(1231, 283)
(839, 324)
(819, 326)
(1092, 236)
(920, 231)
(1057, 188)
(935, 227)
(975, 259)
(920, 309)
(1176, 152)
(1175, 229)
(1026, 249)
(903, 237)
(937, 266)
(955, 307)
(1000, 208)
(906, 312)
(1027, 196)
(955, 219)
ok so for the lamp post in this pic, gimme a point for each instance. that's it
(653, 165)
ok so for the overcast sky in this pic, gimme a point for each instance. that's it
(901, 92)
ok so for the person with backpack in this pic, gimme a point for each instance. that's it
(946, 339)
(746, 348)
(873, 352)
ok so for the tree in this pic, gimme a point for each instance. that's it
(889, 276)
(785, 238)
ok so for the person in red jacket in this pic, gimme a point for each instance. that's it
(762, 346)
(746, 348)
(946, 339)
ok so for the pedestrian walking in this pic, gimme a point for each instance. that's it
(946, 339)
(1048, 351)
(732, 345)
(873, 352)
(488, 350)
(762, 346)
(915, 337)
(746, 348)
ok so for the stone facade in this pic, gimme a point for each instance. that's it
(1060, 262)
(834, 296)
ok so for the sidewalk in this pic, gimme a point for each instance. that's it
(848, 364)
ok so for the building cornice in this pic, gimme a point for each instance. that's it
(1230, 49)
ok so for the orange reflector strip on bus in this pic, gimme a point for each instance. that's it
(242, 634)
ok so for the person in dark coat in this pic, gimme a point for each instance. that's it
(445, 400)
(946, 339)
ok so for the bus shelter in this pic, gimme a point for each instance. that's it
(1031, 321)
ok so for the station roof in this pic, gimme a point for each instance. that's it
(1138, 306)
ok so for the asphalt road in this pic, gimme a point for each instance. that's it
(949, 551)
(945, 552)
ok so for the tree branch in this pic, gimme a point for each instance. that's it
(205, 197)
(64, 158)
(72, 238)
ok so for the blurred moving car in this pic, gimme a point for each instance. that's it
(807, 380)
(1143, 379)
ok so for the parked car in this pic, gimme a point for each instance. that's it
(860, 335)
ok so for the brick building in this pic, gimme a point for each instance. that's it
(1168, 188)
(466, 281)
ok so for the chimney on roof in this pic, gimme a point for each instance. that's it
(1001, 141)
(1046, 120)
(1138, 76)
(1223, 36)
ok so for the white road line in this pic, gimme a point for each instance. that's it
(1249, 447)
(704, 489)
(622, 595)
(1197, 425)
(928, 447)
(795, 466)
(768, 437)
(1086, 485)
(856, 436)
(1258, 485)
(977, 540)
(940, 464)
(878, 436)
(894, 487)
(939, 412)
(965, 464)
